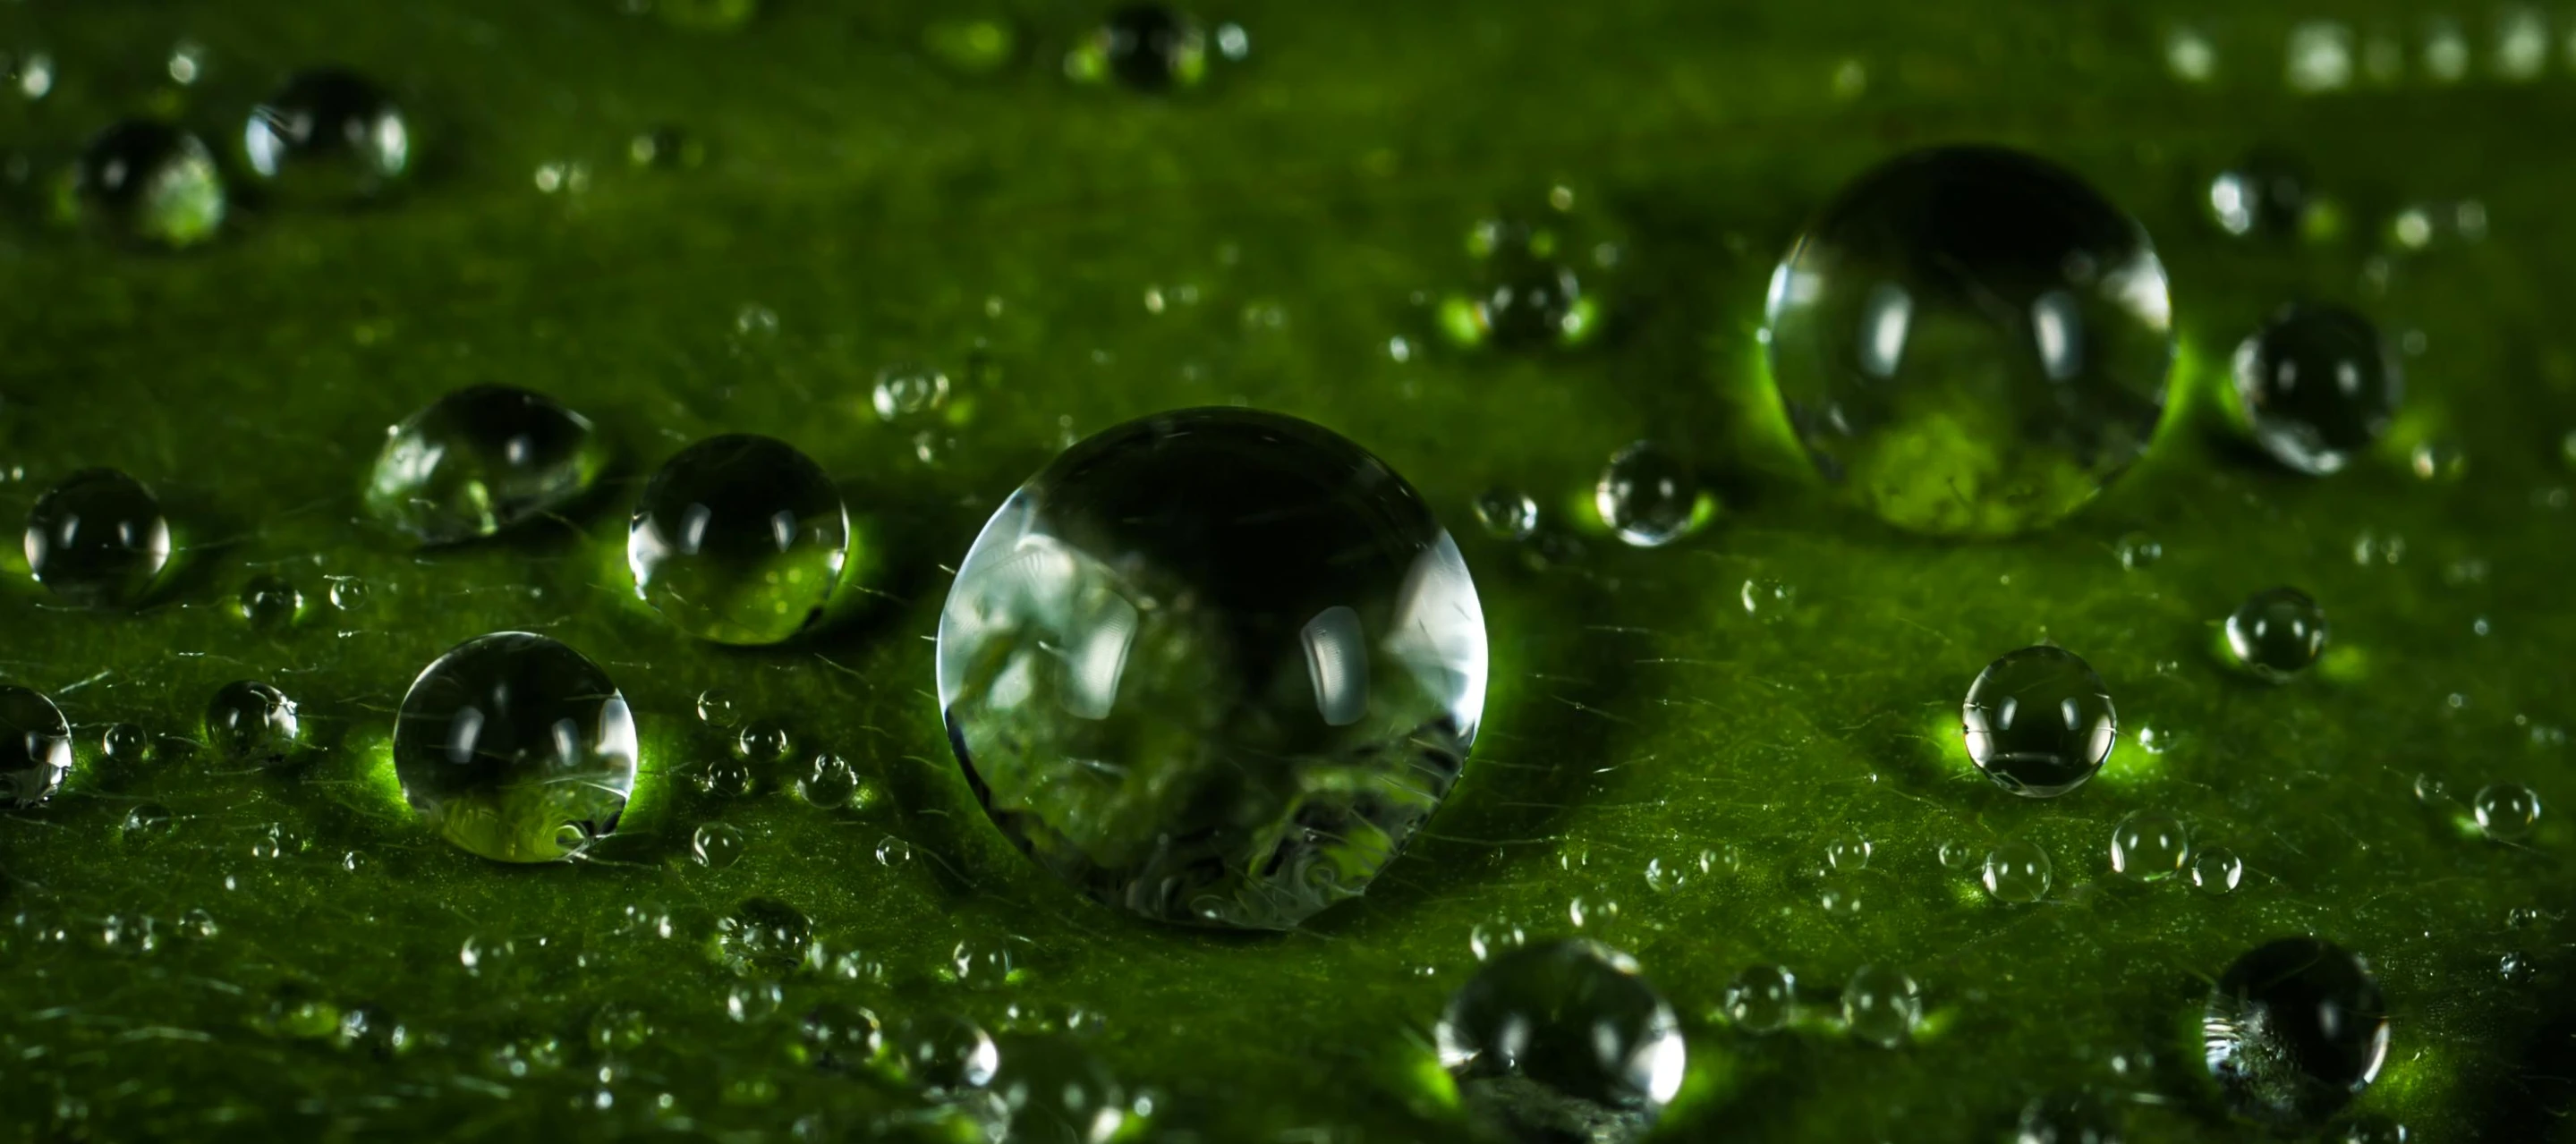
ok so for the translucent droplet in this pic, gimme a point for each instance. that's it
(479, 460)
(509, 737)
(1649, 498)
(944, 1052)
(1148, 47)
(1507, 513)
(1487, 939)
(1054, 1089)
(125, 744)
(349, 594)
(763, 937)
(98, 539)
(329, 135)
(149, 819)
(1847, 854)
(1530, 295)
(268, 603)
(909, 391)
(2317, 384)
(2039, 722)
(2149, 845)
(2016, 871)
(1881, 1005)
(972, 45)
(840, 1035)
(252, 722)
(892, 851)
(1563, 1032)
(1663, 877)
(829, 781)
(762, 742)
(716, 708)
(1761, 999)
(753, 1001)
(726, 778)
(1767, 600)
(151, 183)
(1957, 855)
(2277, 633)
(717, 845)
(1213, 666)
(2506, 811)
(2293, 1031)
(2438, 461)
(2138, 550)
(35, 747)
(2216, 871)
(738, 540)
(2265, 195)
(2431, 791)
(2515, 968)
(1974, 341)
(981, 965)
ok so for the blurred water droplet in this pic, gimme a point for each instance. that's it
(2266, 194)
(1148, 47)
(252, 722)
(971, 45)
(2138, 550)
(328, 135)
(1649, 498)
(2515, 969)
(1487, 939)
(150, 184)
(1562, 1032)
(2293, 1031)
(752, 1001)
(717, 845)
(1506, 513)
(738, 539)
(35, 747)
(268, 602)
(1662, 877)
(1761, 999)
(909, 392)
(1882, 1005)
(944, 1052)
(148, 820)
(985, 965)
(2506, 811)
(763, 937)
(716, 709)
(840, 1035)
(1847, 854)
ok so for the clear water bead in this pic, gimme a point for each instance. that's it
(1761, 999)
(1563, 1033)
(1649, 497)
(1882, 1005)
(1213, 666)
(480, 460)
(738, 540)
(2506, 811)
(150, 183)
(1507, 513)
(2039, 722)
(907, 392)
(2293, 1031)
(717, 709)
(516, 747)
(1971, 339)
(2277, 633)
(2016, 872)
(717, 845)
(2317, 384)
(2216, 871)
(1148, 47)
(268, 602)
(252, 722)
(944, 1052)
(98, 539)
(2265, 195)
(35, 747)
(328, 135)
(763, 937)
(2149, 845)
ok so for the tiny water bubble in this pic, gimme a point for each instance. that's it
(148, 820)
(1563, 1032)
(840, 1035)
(1882, 1005)
(944, 1052)
(909, 391)
(1662, 877)
(716, 709)
(2277, 634)
(2506, 811)
(761, 743)
(763, 937)
(855, 966)
(893, 852)
(2431, 791)
(251, 722)
(1847, 854)
(2216, 871)
(2138, 550)
(752, 1001)
(1506, 513)
(1768, 601)
(829, 781)
(150, 184)
(1592, 909)
(2149, 845)
(1955, 854)
(1761, 999)
(986, 965)
(2016, 871)
(717, 845)
(1485, 939)
(268, 603)
(1726, 860)
(198, 925)
(1649, 497)
(349, 593)
(2515, 968)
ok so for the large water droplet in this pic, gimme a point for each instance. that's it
(1973, 339)
(35, 746)
(738, 540)
(2317, 384)
(1213, 666)
(1881, 1005)
(2506, 811)
(479, 460)
(151, 183)
(252, 722)
(2149, 845)
(2293, 1031)
(516, 747)
(1562, 1033)
(328, 135)
(1649, 498)
(98, 539)
(2016, 871)
(2039, 722)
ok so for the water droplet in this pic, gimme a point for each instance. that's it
(349, 594)
(2438, 461)
(148, 820)
(829, 781)
(2265, 195)
(1767, 600)
(726, 778)
(763, 937)
(2506, 811)
(1148, 47)
(98, 539)
(1761, 999)
(2515, 968)
(125, 745)
(762, 742)
(2277, 633)
(1507, 513)
(35, 747)
(1957, 855)
(985, 965)
(2039, 722)
(268, 603)
(30, 74)
(1973, 340)
(509, 737)
(2373, 1130)
(2149, 845)
(893, 851)
(1663, 877)
(717, 845)
(1649, 497)
(909, 391)
(752, 1001)
(2016, 871)
(841, 1036)
(1881, 1005)
(252, 722)
(151, 183)
(2065, 1118)
(1119, 598)
(1847, 854)
(2137, 550)
(1563, 1032)
(1531, 297)
(2293, 1031)
(479, 460)
(1580, 909)
(1053, 1089)
(738, 540)
(2317, 384)
(1488, 939)
(716, 708)
(328, 135)
(945, 1052)
(2216, 871)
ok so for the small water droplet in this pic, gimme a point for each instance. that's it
(752, 1001)
(892, 851)
(1761, 999)
(716, 709)
(1847, 854)
(2264, 195)
(2317, 384)
(1507, 513)
(1563, 1032)
(829, 781)
(739, 539)
(150, 183)
(2293, 1031)
(1882, 1005)
(349, 593)
(762, 742)
(2506, 811)
(268, 602)
(98, 539)
(479, 460)
(1768, 601)
(2039, 722)
(726, 778)
(1148, 47)
(35, 747)
(986, 965)
(2149, 845)
(909, 391)
(2138, 550)
(944, 1052)
(1663, 877)
(506, 739)
(2515, 968)
(763, 937)
(2216, 871)
(2277, 633)
(252, 722)
(148, 820)
(328, 135)
(1487, 939)
(1649, 498)
(717, 845)
(2016, 871)
(841, 1035)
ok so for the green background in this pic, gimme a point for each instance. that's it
(1295, 213)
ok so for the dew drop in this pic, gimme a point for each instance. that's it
(252, 722)
(2065, 1118)
(2317, 384)
(2431, 791)
(148, 820)
(1530, 296)
(98, 539)
(151, 184)
(1148, 47)
(1563, 1032)
(2373, 1130)
(726, 778)
(893, 852)
(349, 593)
(2016, 871)
(2266, 196)
(763, 937)
(328, 135)
(1761, 999)
(761, 743)
(738, 540)
(717, 709)
(2515, 969)
(2138, 550)
(2292, 1031)
(2277, 633)
(2149, 845)
(1488, 939)
(1649, 498)
(480, 460)
(2216, 871)
(717, 845)
(125, 744)
(2506, 811)
(1506, 513)
(1882, 1005)
(944, 1052)
(753, 1001)
(984, 966)
(1768, 601)
(2039, 722)
(908, 391)
(841, 1036)
(268, 602)
(1847, 854)
(1054, 1089)
(35, 747)
(509, 737)
(829, 781)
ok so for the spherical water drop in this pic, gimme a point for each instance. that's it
(2149, 845)
(1148, 47)
(738, 540)
(2277, 633)
(35, 747)
(1563, 1032)
(2317, 384)
(754, 1001)
(907, 392)
(268, 602)
(125, 744)
(829, 781)
(839, 1035)
(1053, 1089)
(717, 845)
(1761, 999)
(1213, 666)
(98, 539)
(762, 742)
(716, 708)
(1881, 1005)
(1767, 600)
(2039, 722)
(1507, 513)
(252, 722)
(1847, 854)
(945, 1053)
(2266, 195)
(2431, 791)
(2216, 871)
(763, 937)
(2138, 550)
(893, 852)
(479, 460)
(508, 738)
(2515, 969)
(1530, 297)
(1649, 498)
(2293, 1031)
(726, 778)
(2506, 811)
(1488, 939)
(2016, 872)
(149, 819)
(1972, 339)
(328, 135)
(983, 966)
(151, 183)
(349, 594)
